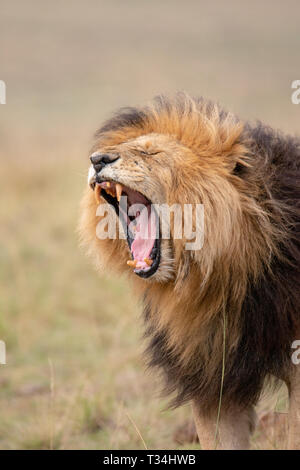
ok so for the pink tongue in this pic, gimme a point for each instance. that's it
(144, 237)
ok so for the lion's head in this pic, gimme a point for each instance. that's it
(172, 153)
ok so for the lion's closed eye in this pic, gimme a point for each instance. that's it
(149, 153)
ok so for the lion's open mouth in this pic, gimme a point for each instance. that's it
(140, 222)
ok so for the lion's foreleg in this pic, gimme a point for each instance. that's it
(232, 432)
(294, 410)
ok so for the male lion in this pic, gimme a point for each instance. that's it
(220, 320)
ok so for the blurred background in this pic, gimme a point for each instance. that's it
(75, 376)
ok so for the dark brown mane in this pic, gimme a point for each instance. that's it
(269, 317)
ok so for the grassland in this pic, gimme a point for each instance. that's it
(75, 376)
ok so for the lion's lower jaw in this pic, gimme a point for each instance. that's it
(166, 270)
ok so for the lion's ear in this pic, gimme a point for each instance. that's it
(238, 169)
(237, 166)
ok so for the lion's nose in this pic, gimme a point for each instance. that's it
(99, 160)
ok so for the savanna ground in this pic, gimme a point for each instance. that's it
(75, 376)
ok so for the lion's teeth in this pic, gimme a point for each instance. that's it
(108, 184)
(119, 189)
(148, 261)
(132, 263)
(97, 193)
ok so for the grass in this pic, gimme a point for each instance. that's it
(75, 376)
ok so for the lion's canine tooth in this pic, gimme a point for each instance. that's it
(132, 263)
(110, 192)
(119, 188)
(97, 193)
(108, 184)
(148, 261)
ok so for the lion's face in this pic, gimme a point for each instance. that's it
(180, 153)
(137, 178)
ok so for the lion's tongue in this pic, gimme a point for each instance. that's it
(144, 238)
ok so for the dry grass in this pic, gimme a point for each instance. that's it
(75, 376)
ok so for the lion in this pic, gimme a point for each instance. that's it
(220, 320)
